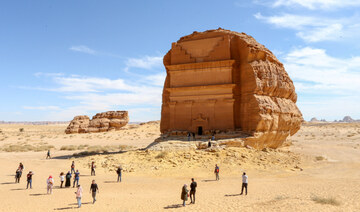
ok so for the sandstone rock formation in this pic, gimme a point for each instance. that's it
(220, 80)
(101, 122)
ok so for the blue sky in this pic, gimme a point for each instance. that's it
(64, 58)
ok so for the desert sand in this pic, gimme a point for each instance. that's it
(318, 169)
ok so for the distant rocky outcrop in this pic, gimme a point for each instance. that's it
(348, 119)
(314, 120)
(101, 122)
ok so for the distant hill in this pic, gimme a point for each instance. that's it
(348, 119)
(314, 120)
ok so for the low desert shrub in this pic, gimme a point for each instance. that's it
(21, 129)
(161, 155)
(320, 158)
(324, 200)
(26, 147)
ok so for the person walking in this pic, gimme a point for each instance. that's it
(193, 186)
(79, 195)
(50, 183)
(209, 143)
(217, 170)
(17, 175)
(68, 178)
(244, 183)
(184, 194)
(118, 171)
(62, 179)
(93, 168)
(48, 155)
(73, 167)
(189, 136)
(29, 179)
(76, 178)
(93, 189)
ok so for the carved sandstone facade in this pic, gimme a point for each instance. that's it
(224, 80)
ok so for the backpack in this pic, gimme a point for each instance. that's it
(217, 169)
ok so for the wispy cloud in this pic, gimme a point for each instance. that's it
(83, 49)
(317, 4)
(146, 62)
(314, 28)
(314, 71)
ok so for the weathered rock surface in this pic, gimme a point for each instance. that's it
(101, 122)
(219, 80)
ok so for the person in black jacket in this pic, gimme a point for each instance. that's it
(193, 186)
(118, 171)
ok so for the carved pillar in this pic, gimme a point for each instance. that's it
(172, 115)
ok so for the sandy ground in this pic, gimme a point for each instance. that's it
(323, 161)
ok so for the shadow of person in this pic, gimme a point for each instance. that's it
(231, 195)
(173, 206)
(111, 181)
(6, 183)
(208, 180)
(38, 194)
(17, 189)
(84, 203)
(65, 208)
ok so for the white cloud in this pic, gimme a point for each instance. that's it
(40, 74)
(317, 4)
(313, 70)
(314, 28)
(83, 49)
(146, 62)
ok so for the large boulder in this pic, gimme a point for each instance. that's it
(101, 122)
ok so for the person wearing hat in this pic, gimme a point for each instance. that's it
(50, 183)
(29, 179)
(79, 195)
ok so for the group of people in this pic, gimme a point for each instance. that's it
(185, 192)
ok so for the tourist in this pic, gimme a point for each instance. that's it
(193, 186)
(76, 178)
(79, 195)
(93, 168)
(17, 175)
(62, 179)
(21, 167)
(213, 137)
(68, 178)
(193, 134)
(29, 179)
(244, 183)
(73, 167)
(118, 171)
(189, 136)
(217, 170)
(48, 155)
(184, 194)
(209, 143)
(93, 189)
(50, 183)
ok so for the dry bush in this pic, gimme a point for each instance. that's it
(26, 147)
(73, 147)
(324, 200)
(161, 155)
(21, 130)
(320, 158)
(93, 150)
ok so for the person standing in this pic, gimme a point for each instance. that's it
(73, 167)
(76, 178)
(50, 183)
(184, 194)
(189, 136)
(62, 179)
(48, 155)
(17, 175)
(118, 171)
(68, 178)
(217, 170)
(93, 189)
(93, 168)
(193, 186)
(29, 179)
(79, 195)
(244, 183)
(193, 134)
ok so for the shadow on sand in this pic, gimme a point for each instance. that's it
(208, 180)
(111, 181)
(7, 183)
(173, 206)
(17, 189)
(231, 195)
(70, 207)
(86, 153)
(38, 194)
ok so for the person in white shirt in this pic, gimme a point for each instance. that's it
(79, 195)
(244, 183)
(62, 179)
(50, 183)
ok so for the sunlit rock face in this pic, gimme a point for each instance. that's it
(225, 81)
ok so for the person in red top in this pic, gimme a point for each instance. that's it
(73, 167)
(29, 179)
(217, 170)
